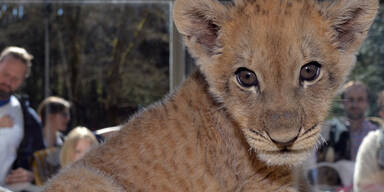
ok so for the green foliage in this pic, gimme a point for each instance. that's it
(107, 59)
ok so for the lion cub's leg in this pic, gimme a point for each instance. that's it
(81, 178)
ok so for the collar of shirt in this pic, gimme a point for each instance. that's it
(4, 102)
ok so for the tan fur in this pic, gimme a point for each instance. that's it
(215, 135)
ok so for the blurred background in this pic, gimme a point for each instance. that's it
(110, 58)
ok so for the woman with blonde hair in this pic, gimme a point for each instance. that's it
(78, 142)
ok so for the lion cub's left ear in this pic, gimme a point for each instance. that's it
(350, 20)
(200, 22)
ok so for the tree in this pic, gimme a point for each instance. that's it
(107, 59)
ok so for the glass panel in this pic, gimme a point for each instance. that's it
(332, 167)
(110, 59)
(354, 116)
(106, 58)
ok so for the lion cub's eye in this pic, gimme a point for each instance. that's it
(246, 77)
(310, 71)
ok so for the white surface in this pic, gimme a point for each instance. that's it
(10, 137)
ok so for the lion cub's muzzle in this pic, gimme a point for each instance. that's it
(282, 127)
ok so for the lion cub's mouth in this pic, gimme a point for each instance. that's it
(286, 151)
(291, 154)
(302, 136)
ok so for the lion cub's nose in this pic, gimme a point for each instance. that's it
(282, 127)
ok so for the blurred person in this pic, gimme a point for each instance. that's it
(369, 171)
(355, 102)
(343, 135)
(330, 179)
(55, 115)
(20, 128)
(78, 142)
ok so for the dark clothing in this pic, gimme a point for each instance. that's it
(343, 142)
(349, 142)
(32, 139)
(343, 147)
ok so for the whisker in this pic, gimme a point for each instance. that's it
(259, 134)
(262, 140)
(319, 142)
(220, 107)
(311, 135)
(256, 139)
(309, 130)
(251, 150)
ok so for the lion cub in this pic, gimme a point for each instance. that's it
(268, 70)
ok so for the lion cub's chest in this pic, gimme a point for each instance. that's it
(197, 152)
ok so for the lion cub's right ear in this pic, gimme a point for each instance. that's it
(350, 20)
(200, 22)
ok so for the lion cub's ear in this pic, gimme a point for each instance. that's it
(200, 22)
(350, 20)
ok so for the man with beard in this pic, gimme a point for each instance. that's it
(20, 129)
(345, 134)
(355, 102)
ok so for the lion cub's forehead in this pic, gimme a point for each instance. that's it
(277, 27)
(276, 16)
(269, 8)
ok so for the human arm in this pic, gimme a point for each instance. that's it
(19, 175)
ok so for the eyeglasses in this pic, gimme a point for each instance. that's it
(65, 115)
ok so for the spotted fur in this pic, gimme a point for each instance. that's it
(214, 134)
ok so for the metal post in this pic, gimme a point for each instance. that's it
(177, 55)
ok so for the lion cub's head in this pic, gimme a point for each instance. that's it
(275, 64)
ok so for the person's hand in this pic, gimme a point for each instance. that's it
(19, 175)
(6, 121)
